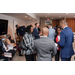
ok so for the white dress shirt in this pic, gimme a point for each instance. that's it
(65, 27)
(37, 29)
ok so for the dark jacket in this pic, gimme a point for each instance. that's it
(21, 30)
(1, 45)
(36, 33)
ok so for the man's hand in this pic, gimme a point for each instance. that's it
(40, 34)
(7, 47)
(14, 44)
(33, 52)
(58, 40)
(57, 45)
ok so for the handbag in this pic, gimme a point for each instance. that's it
(23, 46)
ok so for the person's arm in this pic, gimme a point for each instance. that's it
(55, 38)
(27, 43)
(17, 32)
(73, 38)
(9, 43)
(54, 49)
(62, 40)
(34, 47)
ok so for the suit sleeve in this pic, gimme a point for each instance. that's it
(35, 33)
(73, 38)
(54, 49)
(34, 48)
(62, 40)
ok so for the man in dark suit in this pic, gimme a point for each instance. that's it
(36, 32)
(20, 31)
(65, 42)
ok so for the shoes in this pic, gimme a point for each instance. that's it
(20, 55)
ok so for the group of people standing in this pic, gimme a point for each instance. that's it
(42, 42)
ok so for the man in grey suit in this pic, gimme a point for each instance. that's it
(44, 46)
(51, 32)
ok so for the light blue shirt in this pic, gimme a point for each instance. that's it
(37, 29)
(51, 33)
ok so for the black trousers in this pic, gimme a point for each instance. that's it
(13, 52)
(57, 55)
(31, 57)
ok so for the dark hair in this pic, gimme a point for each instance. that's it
(28, 28)
(47, 27)
(16, 26)
(50, 24)
(57, 25)
(36, 24)
(57, 29)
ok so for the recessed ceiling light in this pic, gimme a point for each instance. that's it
(66, 13)
(59, 16)
(45, 16)
(25, 16)
(52, 18)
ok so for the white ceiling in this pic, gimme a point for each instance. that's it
(19, 15)
(56, 15)
(42, 15)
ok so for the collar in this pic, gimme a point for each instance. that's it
(36, 27)
(43, 36)
(50, 28)
(65, 27)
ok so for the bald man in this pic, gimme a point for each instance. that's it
(44, 46)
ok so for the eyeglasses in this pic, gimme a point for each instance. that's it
(58, 30)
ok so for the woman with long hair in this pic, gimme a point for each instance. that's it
(58, 31)
(28, 40)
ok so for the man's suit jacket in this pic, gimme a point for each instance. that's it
(44, 46)
(36, 33)
(21, 31)
(66, 40)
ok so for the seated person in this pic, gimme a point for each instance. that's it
(8, 42)
(11, 40)
(2, 50)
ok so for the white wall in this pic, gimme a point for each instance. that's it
(32, 22)
(32, 15)
(10, 23)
